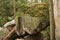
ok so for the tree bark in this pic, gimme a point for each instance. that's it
(52, 22)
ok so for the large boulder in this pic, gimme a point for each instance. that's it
(31, 17)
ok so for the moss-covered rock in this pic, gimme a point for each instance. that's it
(32, 15)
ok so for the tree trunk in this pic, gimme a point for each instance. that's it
(52, 22)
